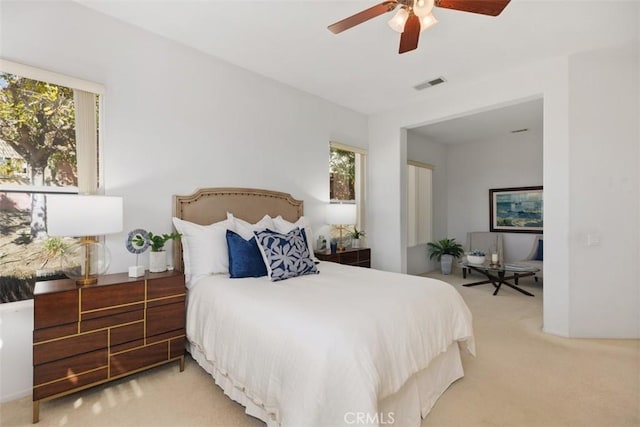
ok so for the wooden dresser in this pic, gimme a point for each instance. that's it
(84, 336)
(360, 257)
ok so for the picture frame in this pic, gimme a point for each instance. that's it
(516, 210)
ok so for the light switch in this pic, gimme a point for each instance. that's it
(593, 239)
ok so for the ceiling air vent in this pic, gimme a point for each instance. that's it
(430, 83)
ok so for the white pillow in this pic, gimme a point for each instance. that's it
(283, 226)
(246, 229)
(204, 248)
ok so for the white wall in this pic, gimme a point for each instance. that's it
(16, 356)
(175, 119)
(604, 192)
(563, 306)
(422, 150)
(463, 175)
(514, 160)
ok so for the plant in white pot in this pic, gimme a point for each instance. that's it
(445, 251)
(158, 256)
(356, 235)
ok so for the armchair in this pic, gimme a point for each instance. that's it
(535, 257)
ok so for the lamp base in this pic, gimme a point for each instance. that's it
(341, 247)
(85, 281)
(85, 261)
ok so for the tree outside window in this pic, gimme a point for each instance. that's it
(342, 175)
(37, 156)
(347, 171)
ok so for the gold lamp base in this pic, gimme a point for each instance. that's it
(87, 280)
(87, 259)
(341, 247)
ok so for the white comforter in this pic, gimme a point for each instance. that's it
(313, 348)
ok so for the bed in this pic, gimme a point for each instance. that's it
(345, 346)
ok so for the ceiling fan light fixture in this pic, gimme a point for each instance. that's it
(427, 22)
(422, 8)
(399, 19)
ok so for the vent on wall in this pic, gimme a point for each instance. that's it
(520, 130)
(430, 83)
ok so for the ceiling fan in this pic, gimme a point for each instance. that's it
(414, 16)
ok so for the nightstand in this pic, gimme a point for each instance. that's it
(360, 257)
(89, 335)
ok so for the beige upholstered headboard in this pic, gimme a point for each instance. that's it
(209, 205)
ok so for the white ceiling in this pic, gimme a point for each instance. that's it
(360, 68)
(486, 125)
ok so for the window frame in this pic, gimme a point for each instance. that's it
(90, 178)
(415, 211)
(360, 180)
(89, 170)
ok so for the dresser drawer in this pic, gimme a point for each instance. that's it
(165, 287)
(364, 255)
(102, 297)
(366, 263)
(349, 258)
(165, 318)
(126, 333)
(139, 358)
(68, 347)
(70, 367)
(55, 332)
(55, 309)
(91, 377)
(176, 347)
(113, 320)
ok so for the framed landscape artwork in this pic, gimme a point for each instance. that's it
(516, 210)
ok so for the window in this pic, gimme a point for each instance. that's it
(419, 189)
(347, 177)
(48, 144)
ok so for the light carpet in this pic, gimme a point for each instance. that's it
(520, 377)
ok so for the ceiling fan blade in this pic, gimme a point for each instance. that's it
(410, 35)
(365, 15)
(485, 7)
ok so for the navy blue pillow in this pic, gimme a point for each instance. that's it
(539, 252)
(245, 259)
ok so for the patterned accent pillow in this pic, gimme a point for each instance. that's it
(285, 255)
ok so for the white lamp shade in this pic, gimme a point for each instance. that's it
(427, 22)
(342, 214)
(83, 215)
(423, 8)
(399, 19)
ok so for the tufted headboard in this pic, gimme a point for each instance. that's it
(209, 205)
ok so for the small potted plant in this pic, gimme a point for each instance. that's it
(355, 237)
(445, 251)
(158, 256)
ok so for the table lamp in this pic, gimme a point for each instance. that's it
(341, 215)
(84, 216)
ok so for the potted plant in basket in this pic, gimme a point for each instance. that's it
(158, 256)
(445, 251)
(355, 237)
